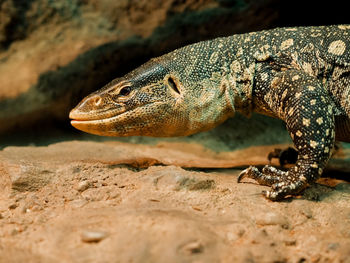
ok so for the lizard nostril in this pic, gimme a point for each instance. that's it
(97, 100)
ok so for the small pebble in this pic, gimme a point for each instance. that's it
(13, 206)
(333, 246)
(290, 242)
(83, 185)
(91, 236)
(271, 218)
(193, 247)
(197, 208)
(231, 236)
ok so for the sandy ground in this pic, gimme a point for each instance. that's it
(119, 202)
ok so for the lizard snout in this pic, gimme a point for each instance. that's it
(84, 109)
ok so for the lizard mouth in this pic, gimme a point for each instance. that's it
(107, 125)
(104, 126)
(82, 119)
(77, 121)
(79, 116)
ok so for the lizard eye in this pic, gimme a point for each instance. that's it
(125, 91)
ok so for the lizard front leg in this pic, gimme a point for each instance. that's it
(302, 102)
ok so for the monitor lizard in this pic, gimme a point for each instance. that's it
(298, 74)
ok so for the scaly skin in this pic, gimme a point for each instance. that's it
(300, 75)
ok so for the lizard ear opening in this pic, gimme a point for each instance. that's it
(172, 84)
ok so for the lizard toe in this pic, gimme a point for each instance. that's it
(268, 176)
(245, 173)
(284, 189)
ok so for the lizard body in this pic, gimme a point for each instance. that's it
(300, 75)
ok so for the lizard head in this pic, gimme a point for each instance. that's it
(152, 100)
(142, 102)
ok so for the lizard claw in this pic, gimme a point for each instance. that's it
(244, 173)
(277, 179)
(268, 176)
(281, 190)
(271, 195)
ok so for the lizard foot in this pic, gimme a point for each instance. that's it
(268, 176)
(281, 182)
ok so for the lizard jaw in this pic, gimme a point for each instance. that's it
(120, 124)
(103, 126)
(90, 126)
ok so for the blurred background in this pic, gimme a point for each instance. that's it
(55, 52)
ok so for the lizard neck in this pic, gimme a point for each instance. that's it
(219, 66)
(240, 78)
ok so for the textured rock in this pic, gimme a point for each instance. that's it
(156, 214)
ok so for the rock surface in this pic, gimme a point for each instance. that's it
(78, 202)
